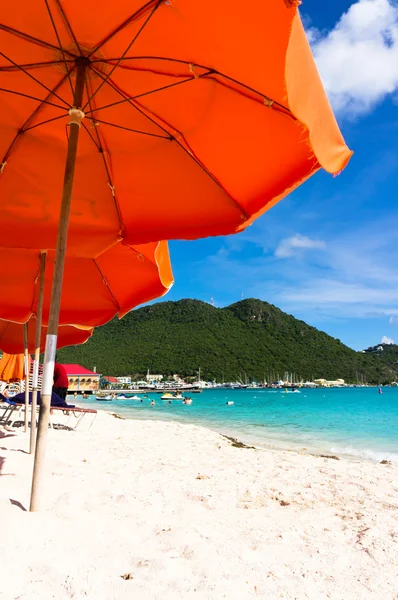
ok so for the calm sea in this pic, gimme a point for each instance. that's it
(357, 422)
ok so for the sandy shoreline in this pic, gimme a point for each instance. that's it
(270, 438)
(187, 515)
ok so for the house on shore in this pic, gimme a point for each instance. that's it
(108, 382)
(82, 380)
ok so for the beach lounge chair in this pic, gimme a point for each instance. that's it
(14, 412)
(76, 413)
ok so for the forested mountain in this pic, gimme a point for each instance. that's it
(387, 353)
(250, 339)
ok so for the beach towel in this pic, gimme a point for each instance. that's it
(55, 400)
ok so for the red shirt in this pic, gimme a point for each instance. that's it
(60, 377)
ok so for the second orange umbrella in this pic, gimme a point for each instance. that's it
(94, 289)
(12, 336)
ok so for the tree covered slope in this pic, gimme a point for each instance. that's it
(250, 338)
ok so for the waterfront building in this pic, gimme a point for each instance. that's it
(81, 379)
(126, 380)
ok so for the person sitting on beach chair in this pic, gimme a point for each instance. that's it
(61, 382)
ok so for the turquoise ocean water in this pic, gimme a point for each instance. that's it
(356, 422)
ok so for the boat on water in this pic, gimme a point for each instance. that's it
(104, 398)
(168, 396)
(230, 403)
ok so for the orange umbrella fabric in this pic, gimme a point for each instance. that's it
(199, 116)
(11, 367)
(94, 290)
(12, 336)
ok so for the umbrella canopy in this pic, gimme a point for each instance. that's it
(94, 290)
(140, 121)
(199, 116)
(11, 367)
(12, 336)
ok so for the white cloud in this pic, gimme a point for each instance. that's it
(358, 59)
(290, 246)
(386, 340)
(353, 277)
(332, 292)
(393, 320)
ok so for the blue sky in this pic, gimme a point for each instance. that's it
(328, 254)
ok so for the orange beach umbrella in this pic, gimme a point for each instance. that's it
(197, 116)
(12, 336)
(94, 289)
(11, 367)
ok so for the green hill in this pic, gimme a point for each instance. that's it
(387, 353)
(250, 338)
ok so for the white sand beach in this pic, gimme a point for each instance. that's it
(182, 514)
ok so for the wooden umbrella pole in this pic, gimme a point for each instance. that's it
(35, 384)
(76, 115)
(26, 373)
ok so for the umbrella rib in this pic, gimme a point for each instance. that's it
(189, 152)
(91, 137)
(104, 279)
(247, 87)
(34, 78)
(138, 13)
(42, 102)
(6, 327)
(30, 38)
(145, 23)
(44, 122)
(59, 84)
(160, 89)
(186, 62)
(32, 98)
(38, 65)
(192, 155)
(152, 264)
(59, 44)
(129, 101)
(68, 25)
(102, 152)
(163, 137)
